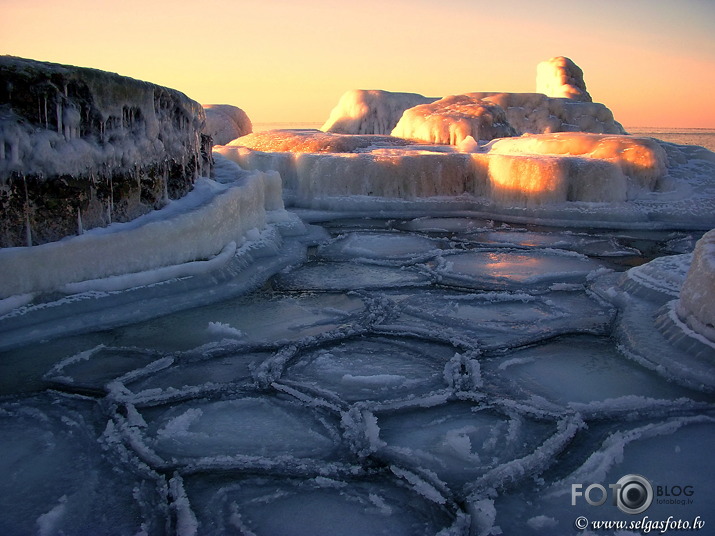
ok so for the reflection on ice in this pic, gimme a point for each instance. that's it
(500, 319)
(514, 270)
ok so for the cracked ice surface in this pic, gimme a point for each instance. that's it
(430, 376)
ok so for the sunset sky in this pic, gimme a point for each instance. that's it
(651, 61)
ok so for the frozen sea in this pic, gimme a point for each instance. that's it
(412, 377)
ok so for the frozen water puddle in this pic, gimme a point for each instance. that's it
(348, 276)
(505, 269)
(255, 318)
(669, 454)
(378, 505)
(391, 246)
(459, 441)
(501, 319)
(245, 430)
(55, 477)
(374, 369)
(576, 371)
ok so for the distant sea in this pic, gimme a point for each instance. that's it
(258, 127)
(705, 137)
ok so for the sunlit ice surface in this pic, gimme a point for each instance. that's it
(429, 375)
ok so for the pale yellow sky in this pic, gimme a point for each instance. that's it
(651, 61)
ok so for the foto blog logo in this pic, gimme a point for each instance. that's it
(632, 494)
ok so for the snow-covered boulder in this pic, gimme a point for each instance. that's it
(81, 148)
(696, 305)
(225, 123)
(452, 119)
(363, 111)
(561, 78)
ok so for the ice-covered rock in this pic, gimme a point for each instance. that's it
(373, 111)
(562, 78)
(452, 119)
(696, 305)
(225, 123)
(81, 148)
(200, 227)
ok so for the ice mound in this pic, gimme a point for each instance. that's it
(225, 123)
(313, 141)
(561, 78)
(452, 119)
(696, 305)
(370, 111)
(654, 327)
(536, 113)
(641, 159)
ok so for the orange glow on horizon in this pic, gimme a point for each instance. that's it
(651, 61)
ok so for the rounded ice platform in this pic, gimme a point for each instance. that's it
(570, 179)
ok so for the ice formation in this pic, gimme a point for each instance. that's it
(370, 111)
(536, 113)
(696, 304)
(575, 178)
(225, 123)
(560, 77)
(562, 104)
(313, 141)
(81, 148)
(427, 376)
(641, 159)
(452, 119)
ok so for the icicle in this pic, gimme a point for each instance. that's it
(80, 227)
(58, 108)
(2, 149)
(110, 206)
(166, 183)
(28, 228)
(47, 122)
